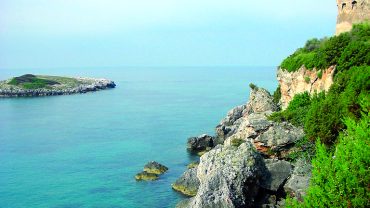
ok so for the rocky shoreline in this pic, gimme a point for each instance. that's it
(84, 85)
(246, 163)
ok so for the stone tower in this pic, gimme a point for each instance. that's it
(351, 12)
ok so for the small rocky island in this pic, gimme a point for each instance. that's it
(30, 85)
(151, 171)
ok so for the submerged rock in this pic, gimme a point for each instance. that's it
(200, 143)
(188, 183)
(145, 176)
(155, 167)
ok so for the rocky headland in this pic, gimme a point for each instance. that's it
(37, 85)
(245, 163)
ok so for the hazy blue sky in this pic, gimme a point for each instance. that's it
(76, 33)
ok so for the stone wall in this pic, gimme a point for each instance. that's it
(351, 12)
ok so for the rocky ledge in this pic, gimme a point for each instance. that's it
(37, 85)
(246, 164)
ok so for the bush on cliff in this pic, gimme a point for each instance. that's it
(296, 111)
(324, 118)
(341, 178)
(346, 50)
(322, 114)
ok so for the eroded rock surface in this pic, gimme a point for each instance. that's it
(303, 80)
(229, 177)
(188, 183)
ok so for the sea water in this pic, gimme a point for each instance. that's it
(84, 150)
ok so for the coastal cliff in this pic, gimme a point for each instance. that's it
(303, 80)
(302, 155)
(250, 167)
(33, 86)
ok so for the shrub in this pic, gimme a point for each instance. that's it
(341, 179)
(346, 50)
(253, 86)
(277, 95)
(319, 74)
(324, 117)
(307, 79)
(295, 112)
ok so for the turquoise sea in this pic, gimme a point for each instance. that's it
(84, 150)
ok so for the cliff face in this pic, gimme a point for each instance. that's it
(303, 80)
(351, 12)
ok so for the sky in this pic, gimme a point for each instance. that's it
(93, 33)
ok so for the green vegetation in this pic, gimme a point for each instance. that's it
(322, 114)
(236, 142)
(29, 81)
(346, 50)
(277, 95)
(307, 79)
(341, 178)
(296, 111)
(337, 121)
(253, 86)
(319, 74)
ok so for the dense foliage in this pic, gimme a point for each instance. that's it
(296, 111)
(322, 114)
(342, 178)
(346, 50)
(277, 95)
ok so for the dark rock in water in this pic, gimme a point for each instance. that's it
(145, 176)
(276, 174)
(299, 181)
(151, 172)
(200, 143)
(188, 183)
(155, 168)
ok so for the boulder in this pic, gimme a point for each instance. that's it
(260, 103)
(279, 137)
(260, 100)
(188, 183)
(155, 168)
(229, 124)
(200, 143)
(277, 171)
(229, 177)
(299, 181)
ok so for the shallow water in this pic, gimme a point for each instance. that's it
(84, 150)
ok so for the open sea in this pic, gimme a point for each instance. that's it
(84, 150)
